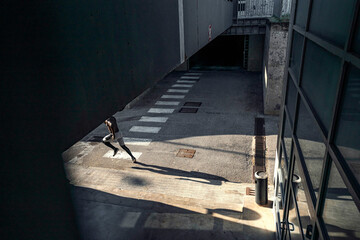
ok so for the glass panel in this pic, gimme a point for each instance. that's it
(312, 146)
(356, 41)
(291, 97)
(296, 50)
(301, 198)
(294, 222)
(320, 77)
(301, 13)
(283, 177)
(348, 129)
(331, 19)
(341, 216)
(287, 137)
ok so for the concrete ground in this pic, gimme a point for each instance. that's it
(164, 196)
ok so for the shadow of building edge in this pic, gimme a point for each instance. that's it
(212, 179)
(102, 215)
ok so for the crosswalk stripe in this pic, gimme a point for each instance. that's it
(192, 74)
(145, 129)
(177, 91)
(167, 103)
(137, 141)
(185, 81)
(182, 85)
(173, 96)
(190, 77)
(161, 110)
(121, 155)
(153, 119)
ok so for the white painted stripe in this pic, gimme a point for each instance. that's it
(185, 81)
(173, 96)
(180, 221)
(182, 85)
(129, 219)
(86, 147)
(193, 74)
(137, 141)
(145, 129)
(177, 91)
(121, 155)
(167, 103)
(181, 31)
(190, 77)
(161, 110)
(153, 119)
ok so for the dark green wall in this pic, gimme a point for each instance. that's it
(66, 66)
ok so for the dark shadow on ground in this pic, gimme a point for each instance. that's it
(102, 215)
(209, 178)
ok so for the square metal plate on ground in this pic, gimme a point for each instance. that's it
(188, 110)
(187, 153)
(192, 104)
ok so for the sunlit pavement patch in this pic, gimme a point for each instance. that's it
(121, 155)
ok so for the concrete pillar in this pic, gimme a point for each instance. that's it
(274, 65)
(255, 54)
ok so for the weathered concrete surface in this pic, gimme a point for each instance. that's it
(256, 48)
(274, 65)
(164, 196)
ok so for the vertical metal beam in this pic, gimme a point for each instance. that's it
(181, 30)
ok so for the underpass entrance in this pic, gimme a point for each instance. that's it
(230, 52)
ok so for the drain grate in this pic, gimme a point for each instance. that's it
(259, 127)
(186, 153)
(188, 110)
(192, 104)
(260, 145)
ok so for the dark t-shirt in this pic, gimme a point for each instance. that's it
(113, 124)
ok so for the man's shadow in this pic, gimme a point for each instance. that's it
(184, 175)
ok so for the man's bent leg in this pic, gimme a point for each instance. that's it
(122, 144)
(106, 140)
(129, 152)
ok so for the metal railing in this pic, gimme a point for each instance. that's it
(262, 8)
(254, 8)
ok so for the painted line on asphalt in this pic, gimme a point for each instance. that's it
(161, 110)
(153, 119)
(182, 85)
(177, 91)
(121, 155)
(167, 103)
(190, 78)
(185, 81)
(173, 96)
(193, 74)
(145, 129)
(137, 141)
(129, 219)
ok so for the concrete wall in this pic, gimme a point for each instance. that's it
(198, 16)
(65, 67)
(255, 54)
(274, 65)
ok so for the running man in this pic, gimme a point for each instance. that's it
(115, 135)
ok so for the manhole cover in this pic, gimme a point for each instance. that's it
(187, 153)
(188, 110)
(192, 104)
